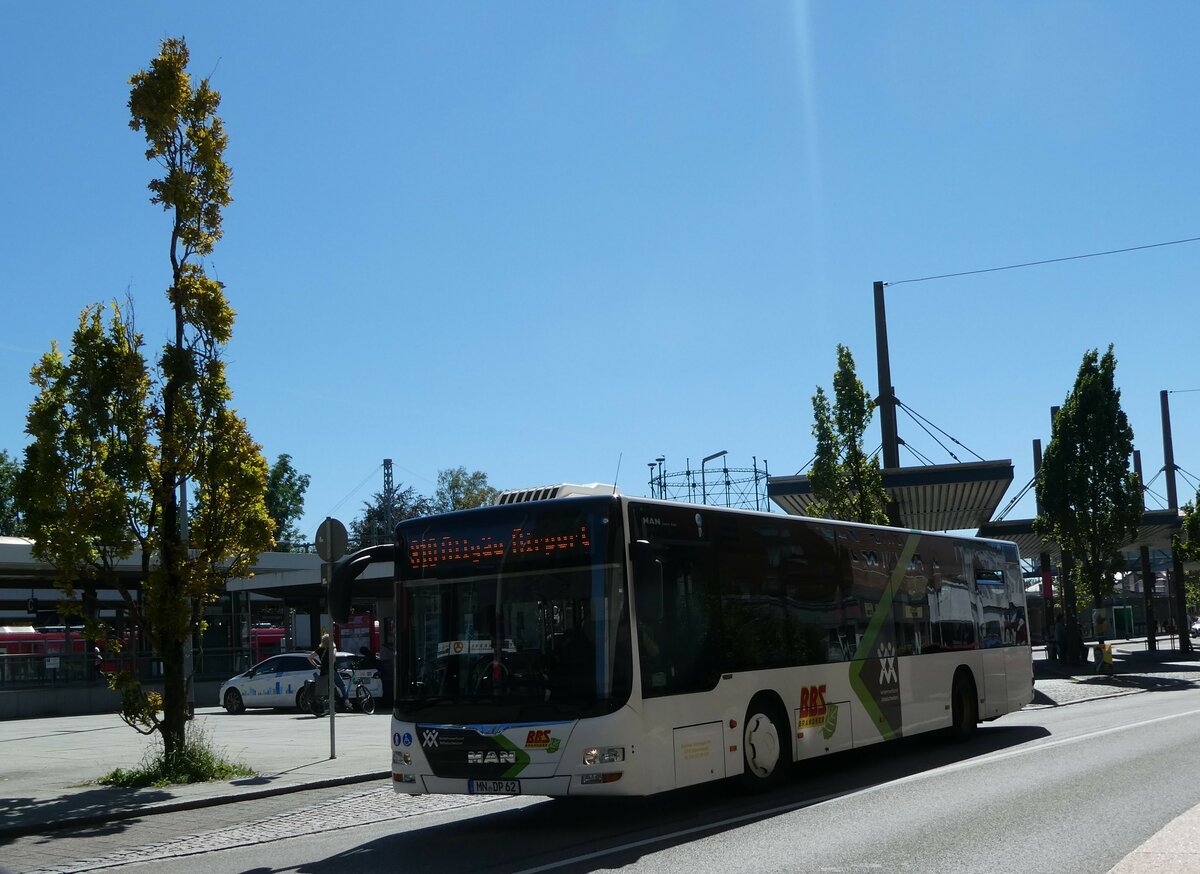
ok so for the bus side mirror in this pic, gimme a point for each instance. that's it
(647, 582)
(346, 570)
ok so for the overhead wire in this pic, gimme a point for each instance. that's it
(913, 413)
(1044, 261)
(354, 490)
(1161, 500)
(927, 431)
(1009, 506)
(807, 467)
(1192, 481)
(919, 456)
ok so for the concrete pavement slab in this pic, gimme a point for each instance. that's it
(49, 767)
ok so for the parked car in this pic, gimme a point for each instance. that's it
(277, 681)
(1196, 628)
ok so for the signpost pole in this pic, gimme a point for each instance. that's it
(331, 654)
(331, 545)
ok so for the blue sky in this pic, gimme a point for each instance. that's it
(542, 239)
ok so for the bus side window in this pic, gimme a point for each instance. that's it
(648, 582)
(680, 648)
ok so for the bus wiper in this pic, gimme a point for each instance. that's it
(414, 704)
(530, 711)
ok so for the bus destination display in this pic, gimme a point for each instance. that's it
(467, 547)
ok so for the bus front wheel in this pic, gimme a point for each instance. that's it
(765, 747)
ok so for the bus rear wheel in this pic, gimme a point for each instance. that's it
(765, 747)
(964, 708)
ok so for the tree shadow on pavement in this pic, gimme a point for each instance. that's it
(111, 809)
(1138, 682)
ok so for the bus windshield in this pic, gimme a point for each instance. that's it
(511, 613)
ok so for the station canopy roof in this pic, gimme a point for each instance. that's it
(940, 497)
(25, 578)
(1155, 532)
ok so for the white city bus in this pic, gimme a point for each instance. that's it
(611, 645)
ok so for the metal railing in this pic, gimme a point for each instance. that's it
(55, 670)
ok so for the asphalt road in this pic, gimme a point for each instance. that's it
(1047, 790)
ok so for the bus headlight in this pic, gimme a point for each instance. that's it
(603, 755)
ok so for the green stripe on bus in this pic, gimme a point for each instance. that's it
(522, 757)
(883, 611)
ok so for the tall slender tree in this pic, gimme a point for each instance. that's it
(1187, 543)
(285, 500)
(1090, 496)
(11, 523)
(131, 459)
(846, 482)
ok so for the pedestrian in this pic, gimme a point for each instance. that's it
(323, 659)
(1060, 637)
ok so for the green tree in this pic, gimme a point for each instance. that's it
(109, 471)
(285, 501)
(11, 523)
(1187, 542)
(85, 485)
(846, 482)
(383, 511)
(1091, 499)
(459, 490)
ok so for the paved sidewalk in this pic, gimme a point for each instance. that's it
(1134, 670)
(48, 767)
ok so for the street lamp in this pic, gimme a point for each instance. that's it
(703, 484)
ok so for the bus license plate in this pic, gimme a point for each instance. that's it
(494, 787)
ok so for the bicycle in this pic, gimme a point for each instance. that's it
(359, 697)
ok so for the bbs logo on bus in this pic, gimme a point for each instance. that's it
(540, 739)
(812, 707)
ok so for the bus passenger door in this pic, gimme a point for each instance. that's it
(995, 683)
(1020, 677)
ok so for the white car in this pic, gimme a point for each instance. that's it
(277, 681)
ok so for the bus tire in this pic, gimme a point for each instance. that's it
(964, 707)
(766, 751)
(233, 702)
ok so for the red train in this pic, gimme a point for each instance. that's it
(55, 640)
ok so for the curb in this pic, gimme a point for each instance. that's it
(1054, 704)
(25, 829)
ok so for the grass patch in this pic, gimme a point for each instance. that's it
(197, 762)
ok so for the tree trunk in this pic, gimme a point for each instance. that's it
(174, 723)
(1070, 614)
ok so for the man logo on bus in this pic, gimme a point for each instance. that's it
(491, 757)
(887, 663)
